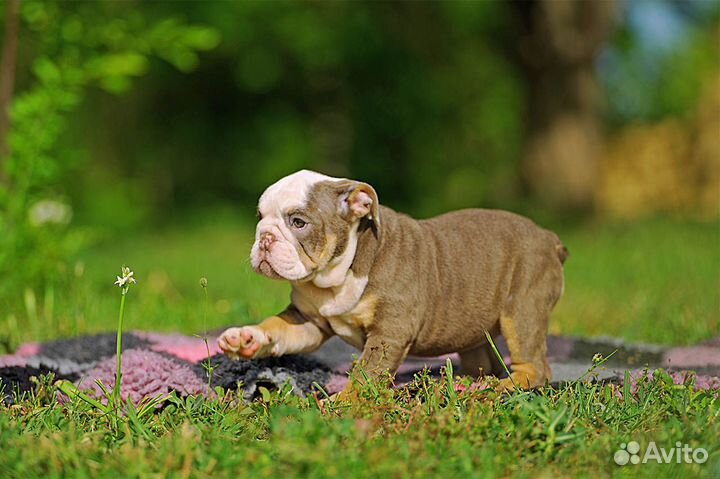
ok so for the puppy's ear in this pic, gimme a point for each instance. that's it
(361, 201)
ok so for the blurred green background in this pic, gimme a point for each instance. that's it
(142, 133)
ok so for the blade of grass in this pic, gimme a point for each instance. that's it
(72, 391)
(499, 356)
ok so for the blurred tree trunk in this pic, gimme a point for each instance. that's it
(7, 77)
(560, 41)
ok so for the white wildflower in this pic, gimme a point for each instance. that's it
(126, 279)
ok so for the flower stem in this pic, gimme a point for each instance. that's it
(205, 308)
(208, 365)
(118, 374)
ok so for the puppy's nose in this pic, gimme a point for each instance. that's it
(266, 239)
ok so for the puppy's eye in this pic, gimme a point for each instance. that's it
(258, 215)
(298, 223)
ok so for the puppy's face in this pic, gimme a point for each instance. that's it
(308, 225)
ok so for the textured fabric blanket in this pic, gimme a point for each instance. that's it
(155, 363)
(152, 364)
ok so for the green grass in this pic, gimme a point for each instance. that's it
(425, 430)
(168, 265)
(653, 281)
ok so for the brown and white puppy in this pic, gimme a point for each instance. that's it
(393, 286)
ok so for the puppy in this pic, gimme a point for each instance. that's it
(392, 286)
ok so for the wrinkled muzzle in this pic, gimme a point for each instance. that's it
(272, 255)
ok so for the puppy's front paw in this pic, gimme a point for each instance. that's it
(243, 342)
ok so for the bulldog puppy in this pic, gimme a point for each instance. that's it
(392, 286)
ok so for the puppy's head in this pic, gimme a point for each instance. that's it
(307, 227)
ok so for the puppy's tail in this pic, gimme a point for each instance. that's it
(562, 252)
(560, 249)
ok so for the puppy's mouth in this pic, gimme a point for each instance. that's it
(265, 268)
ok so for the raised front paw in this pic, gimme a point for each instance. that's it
(243, 342)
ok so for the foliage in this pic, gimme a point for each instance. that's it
(433, 121)
(660, 59)
(78, 46)
(426, 101)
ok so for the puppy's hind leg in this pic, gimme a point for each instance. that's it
(528, 367)
(480, 361)
(524, 324)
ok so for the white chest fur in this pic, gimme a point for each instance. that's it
(343, 308)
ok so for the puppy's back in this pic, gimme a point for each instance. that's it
(492, 229)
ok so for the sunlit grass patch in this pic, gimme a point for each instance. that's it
(650, 281)
(427, 429)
